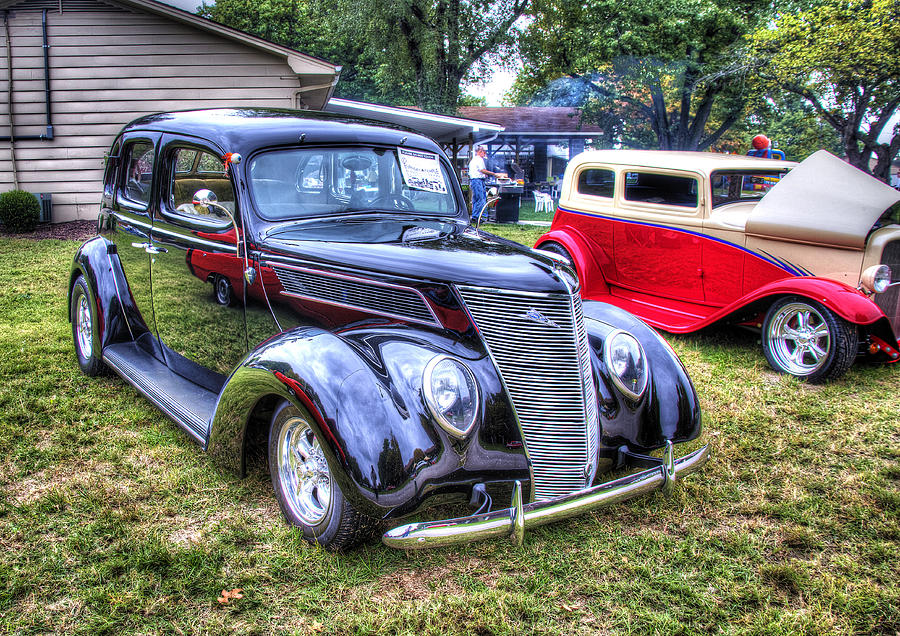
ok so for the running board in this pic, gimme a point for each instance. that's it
(187, 404)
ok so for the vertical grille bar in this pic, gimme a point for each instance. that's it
(540, 346)
(889, 301)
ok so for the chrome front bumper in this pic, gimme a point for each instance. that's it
(513, 521)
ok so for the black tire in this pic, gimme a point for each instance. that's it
(83, 311)
(324, 514)
(558, 248)
(223, 290)
(802, 338)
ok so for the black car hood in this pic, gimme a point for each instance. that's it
(430, 250)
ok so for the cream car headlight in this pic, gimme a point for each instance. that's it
(876, 278)
(451, 394)
(626, 363)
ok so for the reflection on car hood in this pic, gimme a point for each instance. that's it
(426, 251)
(823, 200)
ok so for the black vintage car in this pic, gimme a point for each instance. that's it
(308, 288)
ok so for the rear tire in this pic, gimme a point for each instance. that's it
(804, 339)
(83, 311)
(309, 496)
(224, 291)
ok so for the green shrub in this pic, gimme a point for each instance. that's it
(19, 211)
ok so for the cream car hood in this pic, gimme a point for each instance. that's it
(822, 200)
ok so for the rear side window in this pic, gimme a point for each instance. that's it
(597, 182)
(197, 170)
(661, 189)
(139, 171)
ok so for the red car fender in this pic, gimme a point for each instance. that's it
(847, 302)
(589, 270)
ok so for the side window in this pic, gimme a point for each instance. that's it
(597, 182)
(138, 171)
(663, 189)
(196, 170)
(109, 175)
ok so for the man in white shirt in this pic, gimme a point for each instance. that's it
(477, 171)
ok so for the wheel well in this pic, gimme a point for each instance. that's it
(72, 278)
(256, 437)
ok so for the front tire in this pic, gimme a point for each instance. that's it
(803, 338)
(83, 311)
(309, 496)
(560, 250)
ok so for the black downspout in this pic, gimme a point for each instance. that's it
(49, 134)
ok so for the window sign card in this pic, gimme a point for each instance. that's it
(422, 170)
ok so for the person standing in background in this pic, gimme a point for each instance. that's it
(477, 172)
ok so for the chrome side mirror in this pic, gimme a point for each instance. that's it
(205, 198)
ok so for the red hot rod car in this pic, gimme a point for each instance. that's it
(805, 252)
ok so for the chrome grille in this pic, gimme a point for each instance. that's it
(346, 291)
(546, 368)
(889, 301)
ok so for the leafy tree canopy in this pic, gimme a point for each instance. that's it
(412, 52)
(843, 58)
(664, 65)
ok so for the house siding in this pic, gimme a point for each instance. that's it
(108, 65)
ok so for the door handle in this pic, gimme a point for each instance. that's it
(153, 249)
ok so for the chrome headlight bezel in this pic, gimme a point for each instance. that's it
(433, 403)
(636, 390)
(876, 279)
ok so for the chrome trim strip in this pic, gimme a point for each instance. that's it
(501, 523)
(224, 247)
(365, 281)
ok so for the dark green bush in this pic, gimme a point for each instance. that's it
(19, 211)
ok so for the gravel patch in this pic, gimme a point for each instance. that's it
(71, 231)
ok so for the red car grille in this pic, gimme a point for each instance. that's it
(889, 301)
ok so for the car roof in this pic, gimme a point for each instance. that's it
(244, 130)
(703, 162)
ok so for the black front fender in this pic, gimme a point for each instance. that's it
(668, 410)
(386, 453)
(93, 261)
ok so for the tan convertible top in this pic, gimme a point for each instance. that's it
(822, 200)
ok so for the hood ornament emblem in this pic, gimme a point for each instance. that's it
(533, 315)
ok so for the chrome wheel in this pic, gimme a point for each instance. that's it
(84, 330)
(799, 339)
(303, 472)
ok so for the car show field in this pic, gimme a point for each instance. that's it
(113, 520)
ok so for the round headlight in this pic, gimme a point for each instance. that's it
(451, 394)
(876, 278)
(626, 363)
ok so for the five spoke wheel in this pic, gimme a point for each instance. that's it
(304, 471)
(304, 483)
(805, 339)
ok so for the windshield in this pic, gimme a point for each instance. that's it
(300, 183)
(742, 185)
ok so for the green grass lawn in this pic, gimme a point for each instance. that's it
(113, 521)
